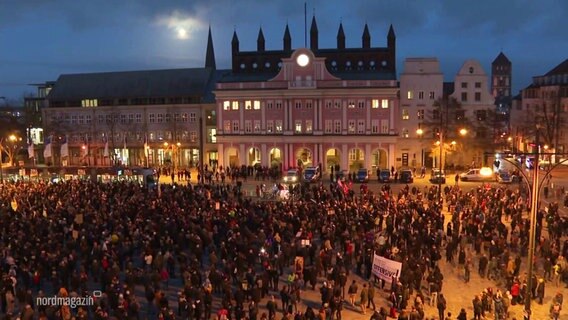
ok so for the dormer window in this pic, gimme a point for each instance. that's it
(243, 66)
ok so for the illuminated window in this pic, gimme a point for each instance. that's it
(298, 126)
(184, 117)
(405, 133)
(270, 126)
(405, 115)
(278, 126)
(256, 105)
(410, 95)
(351, 105)
(309, 126)
(89, 103)
(385, 103)
(193, 136)
(235, 105)
(248, 105)
(256, 127)
(420, 114)
(212, 136)
(375, 103)
(351, 126)
(226, 105)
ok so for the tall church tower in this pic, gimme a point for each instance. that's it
(501, 71)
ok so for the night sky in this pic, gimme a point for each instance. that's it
(41, 39)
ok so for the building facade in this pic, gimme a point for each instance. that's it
(308, 107)
(544, 104)
(421, 84)
(471, 90)
(137, 118)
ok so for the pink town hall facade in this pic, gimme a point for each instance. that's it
(309, 107)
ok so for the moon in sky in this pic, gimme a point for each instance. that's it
(182, 33)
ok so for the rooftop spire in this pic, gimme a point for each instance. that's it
(235, 42)
(391, 32)
(260, 41)
(340, 37)
(314, 34)
(210, 53)
(366, 37)
(287, 39)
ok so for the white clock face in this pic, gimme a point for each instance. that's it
(303, 60)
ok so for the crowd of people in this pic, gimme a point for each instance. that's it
(235, 257)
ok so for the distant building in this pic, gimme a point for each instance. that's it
(501, 79)
(33, 107)
(172, 110)
(544, 104)
(421, 84)
(471, 90)
(333, 107)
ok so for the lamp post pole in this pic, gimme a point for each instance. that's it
(532, 233)
(1, 161)
(440, 162)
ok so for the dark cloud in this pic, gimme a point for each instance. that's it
(63, 36)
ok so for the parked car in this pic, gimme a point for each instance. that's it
(291, 176)
(437, 177)
(406, 176)
(504, 176)
(312, 174)
(384, 175)
(362, 175)
(481, 174)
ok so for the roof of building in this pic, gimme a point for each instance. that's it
(562, 68)
(134, 84)
(501, 59)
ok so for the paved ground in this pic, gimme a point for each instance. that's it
(458, 293)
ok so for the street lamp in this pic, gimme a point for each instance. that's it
(420, 132)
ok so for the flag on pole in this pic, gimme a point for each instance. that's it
(47, 147)
(124, 141)
(64, 147)
(31, 150)
(105, 152)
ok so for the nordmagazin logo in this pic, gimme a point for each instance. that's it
(72, 302)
